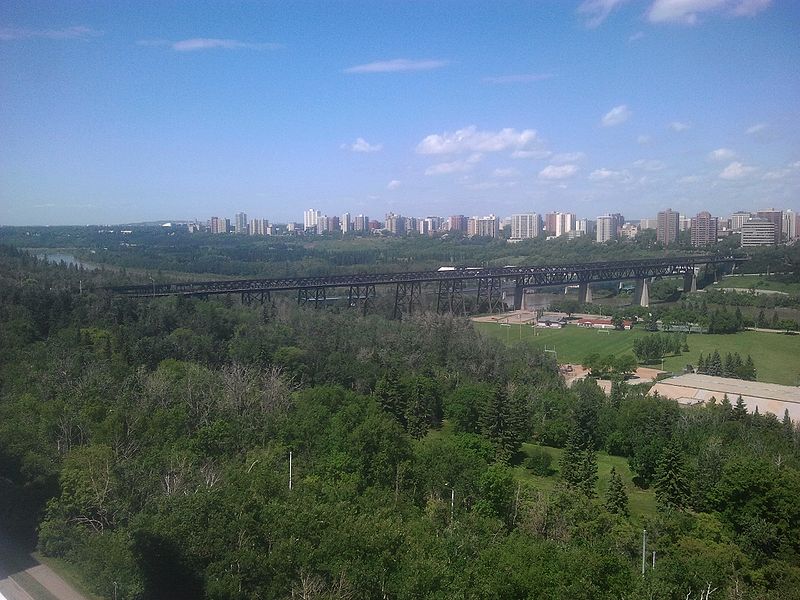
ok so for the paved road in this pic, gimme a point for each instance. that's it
(22, 577)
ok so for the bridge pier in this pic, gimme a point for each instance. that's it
(641, 293)
(406, 296)
(360, 296)
(519, 297)
(690, 281)
(584, 293)
(450, 297)
(490, 291)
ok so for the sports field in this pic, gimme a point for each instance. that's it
(776, 355)
(758, 282)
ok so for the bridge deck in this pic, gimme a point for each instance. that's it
(523, 276)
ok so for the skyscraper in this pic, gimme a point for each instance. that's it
(790, 219)
(310, 218)
(347, 223)
(606, 228)
(457, 223)
(483, 226)
(758, 232)
(668, 227)
(704, 229)
(738, 219)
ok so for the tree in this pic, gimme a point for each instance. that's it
(616, 495)
(740, 410)
(503, 421)
(672, 488)
(390, 396)
(579, 465)
(749, 371)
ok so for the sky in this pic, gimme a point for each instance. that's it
(117, 112)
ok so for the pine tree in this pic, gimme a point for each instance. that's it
(788, 427)
(715, 368)
(588, 468)
(727, 409)
(390, 396)
(672, 489)
(761, 321)
(502, 419)
(616, 496)
(727, 367)
(739, 319)
(701, 364)
(749, 369)
(740, 410)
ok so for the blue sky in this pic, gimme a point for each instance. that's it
(117, 112)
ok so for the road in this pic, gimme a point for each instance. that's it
(22, 577)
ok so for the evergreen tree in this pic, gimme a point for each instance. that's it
(701, 364)
(715, 366)
(390, 396)
(502, 419)
(740, 410)
(728, 367)
(788, 426)
(570, 464)
(588, 473)
(749, 369)
(739, 319)
(727, 409)
(672, 488)
(616, 496)
(761, 321)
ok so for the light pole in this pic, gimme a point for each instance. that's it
(153, 281)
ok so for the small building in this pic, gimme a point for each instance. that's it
(693, 389)
(602, 323)
(551, 321)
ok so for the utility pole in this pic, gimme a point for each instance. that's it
(644, 550)
(290, 470)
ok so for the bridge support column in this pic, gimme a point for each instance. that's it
(690, 281)
(641, 293)
(584, 293)
(519, 297)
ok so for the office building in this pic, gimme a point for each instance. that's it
(704, 229)
(776, 218)
(738, 219)
(395, 224)
(758, 232)
(585, 226)
(648, 224)
(525, 226)
(668, 227)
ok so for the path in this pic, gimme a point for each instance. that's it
(22, 577)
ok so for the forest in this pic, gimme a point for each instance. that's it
(147, 443)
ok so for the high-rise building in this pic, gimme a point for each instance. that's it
(218, 225)
(310, 218)
(241, 223)
(585, 226)
(362, 223)
(776, 218)
(458, 223)
(758, 232)
(347, 223)
(705, 229)
(423, 227)
(629, 231)
(738, 219)
(668, 227)
(525, 226)
(790, 221)
(648, 224)
(258, 227)
(395, 224)
(483, 226)
(606, 228)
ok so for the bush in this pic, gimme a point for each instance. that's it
(539, 462)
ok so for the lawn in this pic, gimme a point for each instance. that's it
(758, 282)
(642, 503)
(776, 355)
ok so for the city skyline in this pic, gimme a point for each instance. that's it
(175, 111)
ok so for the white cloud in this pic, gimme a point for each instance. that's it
(636, 36)
(535, 154)
(456, 166)
(689, 11)
(519, 78)
(616, 116)
(649, 165)
(76, 32)
(393, 184)
(678, 126)
(398, 65)
(736, 170)
(362, 145)
(558, 172)
(609, 175)
(757, 128)
(510, 172)
(195, 44)
(470, 139)
(596, 11)
(567, 157)
(777, 174)
(721, 154)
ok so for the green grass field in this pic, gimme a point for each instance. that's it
(642, 503)
(759, 282)
(777, 356)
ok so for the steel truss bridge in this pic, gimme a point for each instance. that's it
(451, 286)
